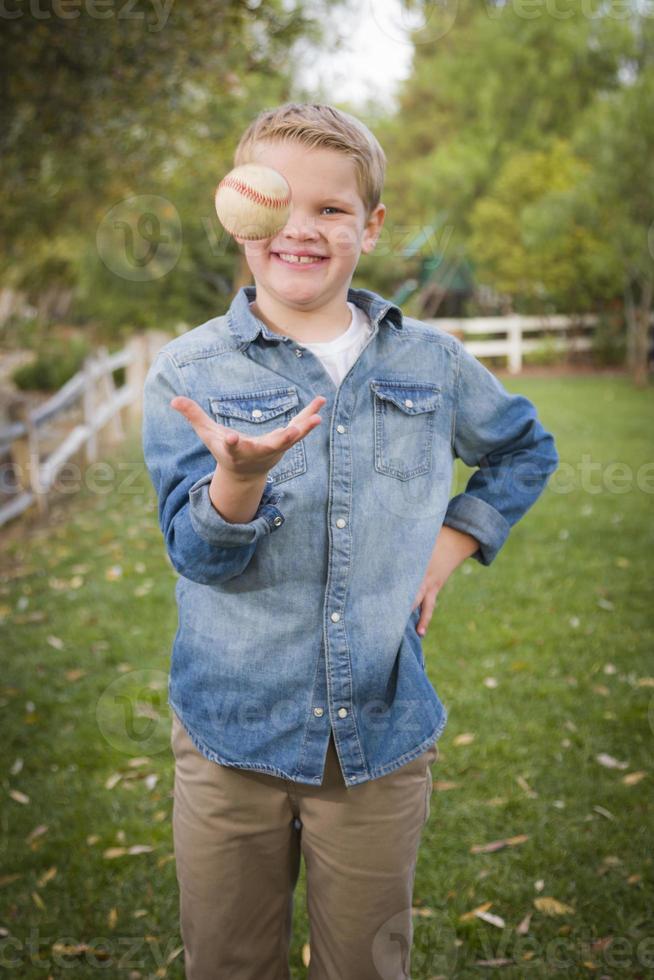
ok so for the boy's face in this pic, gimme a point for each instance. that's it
(327, 222)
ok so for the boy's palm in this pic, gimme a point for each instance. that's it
(248, 456)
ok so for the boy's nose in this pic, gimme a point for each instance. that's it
(300, 225)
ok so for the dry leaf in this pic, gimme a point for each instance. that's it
(607, 760)
(467, 916)
(114, 852)
(465, 738)
(524, 785)
(112, 918)
(112, 780)
(55, 642)
(46, 876)
(74, 674)
(645, 682)
(550, 906)
(497, 845)
(38, 901)
(306, 954)
(523, 926)
(634, 777)
(7, 879)
(38, 830)
(493, 920)
(445, 784)
(140, 849)
(18, 796)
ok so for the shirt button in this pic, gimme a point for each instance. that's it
(256, 413)
(342, 712)
(335, 617)
(298, 352)
(340, 428)
(408, 402)
(341, 522)
(318, 712)
(278, 520)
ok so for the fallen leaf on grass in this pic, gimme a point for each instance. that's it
(46, 876)
(37, 832)
(524, 785)
(493, 920)
(472, 914)
(607, 760)
(465, 738)
(38, 901)
(497, 845)
(500, 961)
(445, 784)
(74, 674)
(634, 777)
(55, 642)
(7, 879)
(306, 954)
(18, 796)
(523, 926)
(551, 906)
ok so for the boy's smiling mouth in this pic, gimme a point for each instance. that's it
(300, 260)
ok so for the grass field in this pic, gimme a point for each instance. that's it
(543, 659)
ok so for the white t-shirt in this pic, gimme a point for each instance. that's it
(338, 355)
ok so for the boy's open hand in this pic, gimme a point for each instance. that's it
(248, 457)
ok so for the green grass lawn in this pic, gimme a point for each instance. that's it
(543, 659)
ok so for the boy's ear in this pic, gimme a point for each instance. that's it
(373, 228)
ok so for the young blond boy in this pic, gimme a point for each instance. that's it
(302, 450)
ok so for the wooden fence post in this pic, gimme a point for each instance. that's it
(88, 409)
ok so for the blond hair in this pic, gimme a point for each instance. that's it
(319, 125)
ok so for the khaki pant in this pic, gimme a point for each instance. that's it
(239, 836)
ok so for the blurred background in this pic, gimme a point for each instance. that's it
(520, 196)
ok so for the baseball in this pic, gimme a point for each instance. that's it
(253, 202)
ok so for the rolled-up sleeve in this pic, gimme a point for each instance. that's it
(499, 433)
(200, 543)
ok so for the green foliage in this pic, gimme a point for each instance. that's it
(57, 361)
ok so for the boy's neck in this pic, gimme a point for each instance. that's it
(305, 326)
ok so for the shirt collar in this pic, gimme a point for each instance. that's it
(245, 326)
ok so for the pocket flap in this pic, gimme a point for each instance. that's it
(411, 397)
(255, 406)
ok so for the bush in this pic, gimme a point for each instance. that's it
(55, 363)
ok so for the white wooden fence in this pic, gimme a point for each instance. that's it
(93, 396)
(513, 344)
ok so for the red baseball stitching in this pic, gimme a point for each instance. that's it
(256, 196)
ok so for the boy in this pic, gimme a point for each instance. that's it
(302, 448)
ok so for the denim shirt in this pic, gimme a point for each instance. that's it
(298, 622)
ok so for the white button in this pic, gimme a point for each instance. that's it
(318, 712)
(408, 402)
(342, 712)
(256, 413)
(335, 617)
(340, 428)
(341, 522)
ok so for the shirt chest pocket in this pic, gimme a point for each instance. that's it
(254, 413)
(403, 419)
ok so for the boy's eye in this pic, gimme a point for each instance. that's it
(330, 207)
